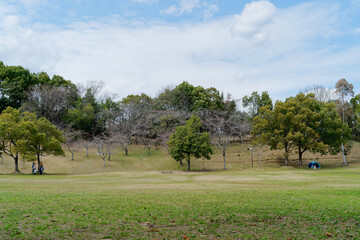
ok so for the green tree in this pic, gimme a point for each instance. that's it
(186, 97)
(301, 123)
(42, 138)
(87, 116)
(254, 102)
(355, 121)
(82, 118)
(187, 141)
(15, 81)
(13, 127)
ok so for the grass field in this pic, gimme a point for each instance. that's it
(131, 198)
(281, 203)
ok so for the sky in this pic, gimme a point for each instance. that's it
(143, 46)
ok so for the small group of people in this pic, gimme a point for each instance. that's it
(34, 169)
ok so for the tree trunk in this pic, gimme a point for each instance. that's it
(343, 153)
(149, 150)
(38, 159)
(87, 152)
(224, 160)
(300, 155)
(104, 161)
(72, 155)
(286, 155)
(252, 157)
(16, 159)
(109, 157)
(126, 151)
(181, 163)
(188, 160)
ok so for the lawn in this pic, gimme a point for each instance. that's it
(271, 203)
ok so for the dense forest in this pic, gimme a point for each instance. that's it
(39, 114)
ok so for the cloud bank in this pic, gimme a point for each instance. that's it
(263, 48)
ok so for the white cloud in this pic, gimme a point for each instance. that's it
(206, 9)
(253, 18)
(210, 10)
(279, 56)
(183, 6)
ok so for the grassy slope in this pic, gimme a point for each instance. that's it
(238, 157)
(279, 203)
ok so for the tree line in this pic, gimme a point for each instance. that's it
(202, 116)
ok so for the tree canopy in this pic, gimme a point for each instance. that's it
(187, 141)
(255, 101)
(301, 123)
(22, 134)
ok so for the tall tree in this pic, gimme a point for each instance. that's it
(322, 94)
(355, 121)
(51, 102)
(188, 141)
(186, 97)
(222, 127)
(43, 139)
(255, 101)
(13, 128)
(127, 120)
(301, 123)
(344, 90)
(15, 81)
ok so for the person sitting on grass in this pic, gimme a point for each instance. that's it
(41, 169)
(33, 168)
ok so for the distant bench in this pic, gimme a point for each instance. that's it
(167, 171)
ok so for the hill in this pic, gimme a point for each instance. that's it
(238, 157)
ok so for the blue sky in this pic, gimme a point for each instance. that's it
(137, 46)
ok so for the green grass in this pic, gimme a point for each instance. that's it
(272, 203)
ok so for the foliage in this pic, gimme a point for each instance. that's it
(188, 141)
(15, 81)
(43, 138)
(186, 97)
(13, 127)
(50, 102)
(301, 123)
(355, 121)
(254, 102)
(82, 118)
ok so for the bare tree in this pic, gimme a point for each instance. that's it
(51, 102)
(222, 127)
(87, 144)
(143, 130)
(322, 94)
(95, 87)
(72, 141)
(101, 149)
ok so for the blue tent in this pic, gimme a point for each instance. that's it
(314, 165)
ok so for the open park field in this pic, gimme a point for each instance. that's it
(132, 198)
(282, 203)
